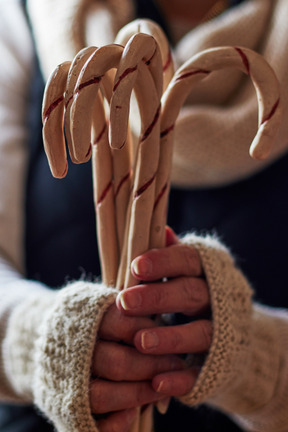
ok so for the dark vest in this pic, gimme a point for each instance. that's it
(249, 216)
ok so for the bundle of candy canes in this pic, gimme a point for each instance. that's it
(86, 104)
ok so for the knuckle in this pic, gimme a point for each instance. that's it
(159, 297)
(141, 394)
(206, 331)
(191, 260)
(109, 361)
(117, 364)
(176, 340)
(97, 397)
(195, 293)
(187, 290)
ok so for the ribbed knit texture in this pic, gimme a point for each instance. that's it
(50, 341)
(64, 353)
(248, 355)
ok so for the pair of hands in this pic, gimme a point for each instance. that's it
(138, 362)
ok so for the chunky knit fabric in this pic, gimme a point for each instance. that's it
(241, 374)
(50, 340)
(48, 350)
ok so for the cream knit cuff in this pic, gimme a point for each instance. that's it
(52, 368)
(241, 371)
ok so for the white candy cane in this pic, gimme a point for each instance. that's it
(52, 118)
(86, 111)
(194, 70)
(138, 51)
(76, 66)
(151, 28)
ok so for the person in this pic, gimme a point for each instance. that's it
(86, 356)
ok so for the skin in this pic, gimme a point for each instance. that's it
(136, 361)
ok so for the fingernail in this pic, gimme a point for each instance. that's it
(142, 267)
(149, 340)
(130, 300)
(163, 387)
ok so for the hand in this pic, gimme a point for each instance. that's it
(121, 375)
(185, 291)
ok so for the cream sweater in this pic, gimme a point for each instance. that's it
(45, 335)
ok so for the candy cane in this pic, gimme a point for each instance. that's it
(86, 110)
(93, 74)
(194, 70)
(76, 66)
(122, 171)
(87, 86)
(104, 195)
(138, 222)
(153, 29)
(140, 47)
(52, 118)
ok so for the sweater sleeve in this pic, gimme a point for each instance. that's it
(47, 350)
(46, 338)
(245, 373)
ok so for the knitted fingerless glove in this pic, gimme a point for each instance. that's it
(48, 350)
(249, 348)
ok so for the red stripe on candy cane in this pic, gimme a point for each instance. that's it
(52, 107)
(94, 80)
(124, 74)
(104, 193)
(160, 195)
(99, 137)
(168, 62)
(167, 131)
(144, 187)
(244, 59)
(190, 73)
(122, 182)
(272, 112)
(151, 126)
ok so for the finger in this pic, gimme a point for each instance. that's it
(187, 295)
(122, 363)
(117, 327)
(172, 261)
(108, 396)
(194, 337)
(118, 421)
(171, 237)
(176, 383)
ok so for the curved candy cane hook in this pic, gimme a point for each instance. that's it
(86, 89)
(150, 28)
(140, 48)
(76, 66)
(194, 70)
(249, 62)
(148, 96)
(52, 118)
(97, 74)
